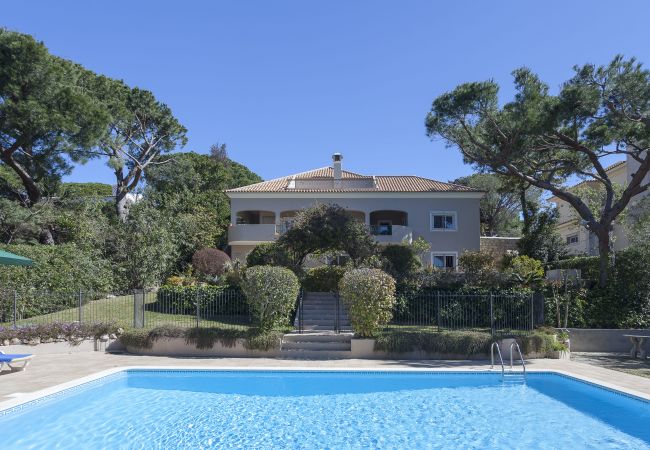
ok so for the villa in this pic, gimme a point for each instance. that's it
(396, 209)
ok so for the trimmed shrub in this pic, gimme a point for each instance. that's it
(526, 270)
(268, 254)
(210, 261)
(323, 279)
(369, 295)
(401, 261)
(73, 332)
(214, 300)
(588, 266)
(271, 293)
(466, 343)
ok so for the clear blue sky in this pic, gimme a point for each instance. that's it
(287, 83)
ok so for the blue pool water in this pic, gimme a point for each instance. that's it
(217, 409)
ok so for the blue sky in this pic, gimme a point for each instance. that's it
(287, 83)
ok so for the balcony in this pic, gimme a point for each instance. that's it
(392, 234)
(250, 234)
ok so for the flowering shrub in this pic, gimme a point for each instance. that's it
(369, 295)
(271, 293)
(73, 332)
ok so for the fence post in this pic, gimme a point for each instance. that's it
(138, 308)
(438, 309)
(532, 311)
(198, 309)
(492, 313)
(80, 299)
(15, 316)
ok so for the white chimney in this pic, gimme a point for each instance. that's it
(336, 158)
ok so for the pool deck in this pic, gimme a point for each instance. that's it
(49, 371)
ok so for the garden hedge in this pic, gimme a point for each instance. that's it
(213, 300)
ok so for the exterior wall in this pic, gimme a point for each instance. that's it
(465, 237)
(239, 252)
(498, 246)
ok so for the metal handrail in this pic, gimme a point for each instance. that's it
(500, 358)
(337, 323)
(300, 311)
(521, 357)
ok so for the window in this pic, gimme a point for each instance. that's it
(573, 239)
(443, 260)
(385, 227)
(443, 221)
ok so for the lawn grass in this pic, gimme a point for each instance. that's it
(119, 309)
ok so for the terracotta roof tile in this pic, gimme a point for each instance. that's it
(393, 183)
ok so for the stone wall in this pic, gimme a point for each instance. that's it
(498, 246)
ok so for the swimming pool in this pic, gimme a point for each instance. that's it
(319, 409)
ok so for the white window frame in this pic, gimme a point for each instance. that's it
(432, 214)
(454, 254)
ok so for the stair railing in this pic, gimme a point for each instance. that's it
(300, 312)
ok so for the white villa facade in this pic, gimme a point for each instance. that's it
(397, 209)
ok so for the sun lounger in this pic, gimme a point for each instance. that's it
(12, 360)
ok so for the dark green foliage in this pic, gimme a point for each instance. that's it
(217, 300)
(541, 139)
(540, 239)
(82, 190)
(466, 343)
(205, 338)
(588, 266)
(271, 293)
(323, 228)
(500, 207)
(323, 279)
(401, 261)
(57, 268)
(269, 254)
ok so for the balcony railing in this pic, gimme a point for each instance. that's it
(391, 234)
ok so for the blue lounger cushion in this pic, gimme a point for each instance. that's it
(10, 357)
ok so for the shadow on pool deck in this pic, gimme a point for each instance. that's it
(615, 361)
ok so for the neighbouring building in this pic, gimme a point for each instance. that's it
(579, 240)
(396, 209)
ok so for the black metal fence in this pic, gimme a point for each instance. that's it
(224, 309)
(498, 313)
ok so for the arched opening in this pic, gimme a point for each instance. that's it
(359, 216)
(383, 221)
(255, 217)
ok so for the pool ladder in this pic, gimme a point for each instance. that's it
(511, 376)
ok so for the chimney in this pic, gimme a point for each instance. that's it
(336, 158)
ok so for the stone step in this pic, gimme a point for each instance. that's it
(316, 345)
(314, 354)
(321, 336)
(326, 327)
(317, 320)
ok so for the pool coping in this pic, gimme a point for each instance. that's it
(31, 398)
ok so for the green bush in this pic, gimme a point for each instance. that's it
(323, 279)
(271, 293)
(214, 300)
(526, 271)
(204, 338)
(268, 254)
(369, 295)
(210, 261)
(588, 266)
(401, 261)
(466, 343)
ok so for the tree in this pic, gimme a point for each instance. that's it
(190, 189)
(540, 239)
(48, 119)
(500, 206)
(543, 139)
(140, 130)
(324, 228)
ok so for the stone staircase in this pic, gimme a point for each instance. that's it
(319, 338)
(319, 312)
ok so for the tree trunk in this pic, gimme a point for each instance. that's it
(120, 196)
(603, 252)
